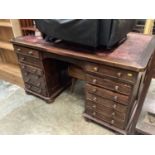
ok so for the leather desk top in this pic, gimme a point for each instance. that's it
(133, 54)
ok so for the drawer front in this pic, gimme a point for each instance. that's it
(112, 113)
(30, 61)
(109, 84)
(34, 80)
(107, 94)
(27, 51)
(106, 103)
(32, 70)
(103, 70)
(36, 90)
(109, 120)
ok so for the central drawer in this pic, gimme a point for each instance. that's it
(108, 94)
(109, 84)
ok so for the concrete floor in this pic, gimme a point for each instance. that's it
(26, 114)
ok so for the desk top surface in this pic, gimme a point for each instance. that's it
(133, 54)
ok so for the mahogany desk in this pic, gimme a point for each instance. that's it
(116, 82)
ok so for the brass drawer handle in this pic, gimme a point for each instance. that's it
(30, 52)
(113, 114)
(116, 88)
(114, 106)
(34, 70)
(94, 99)
(94, 90)
(22, 59)
(130, 74)
(94, 106)
(112, 121)
(94, 81)
(115, 98)
(119, 74)
(18, 49)
(95, 69)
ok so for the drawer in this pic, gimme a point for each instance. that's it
(104, 70)
(107, 94)
(106, 103)
(32, 70)
(30, 61)
(33, 79)
(108, 112)
(27, 51)
(109, 84)
(36, 90)
(109, 120)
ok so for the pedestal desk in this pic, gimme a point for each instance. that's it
(116, 81)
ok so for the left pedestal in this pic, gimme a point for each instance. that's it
(42, 77)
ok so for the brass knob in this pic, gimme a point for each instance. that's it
(119, 74)
(94, 99)
(114, 106)
(94, 113)
(94, 90)
(113, 114)
(116, 88)
(112, 121)
(94, 81)
(115, 98)
(130, 74)
(30, 52)
(22, 58)
(94, 106)
(95, 69)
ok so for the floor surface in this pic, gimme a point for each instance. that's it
(25, 114)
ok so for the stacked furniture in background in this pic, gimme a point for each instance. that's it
(140, 26)
(27, 27)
